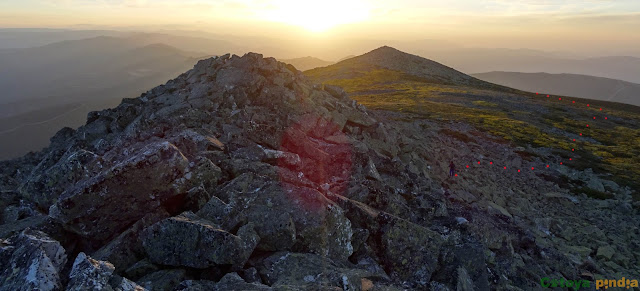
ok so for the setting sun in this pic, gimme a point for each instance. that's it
(317, 16)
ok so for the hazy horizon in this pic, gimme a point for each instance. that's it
(583, 28)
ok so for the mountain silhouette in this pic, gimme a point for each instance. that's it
(46, 88)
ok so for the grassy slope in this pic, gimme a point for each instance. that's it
(524, 119)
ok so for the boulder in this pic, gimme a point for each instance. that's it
(251, 275)
(190, 241)
(408, 250)
(89, 274)
(335, 91)
(230, 282)
(498, 210)
(371, 172)
(140, 269)
(321, 161)
(14, 212)
(31, 261)
(595, 184)
(14, 227)
(307, 271)
(359, 118)
(464, 281)
(193, 142)
(47, 183)
(123, 284)
(205, 174)
(102, 206)
(605, 252)
(126, 249)
(196, 198)
(298, 217)
(163, 280)
(467, 261)
(197, 285)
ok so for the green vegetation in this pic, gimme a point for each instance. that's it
(524, 119)
(484, 103)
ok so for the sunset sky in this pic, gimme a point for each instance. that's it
(536, 24)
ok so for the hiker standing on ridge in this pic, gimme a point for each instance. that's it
(452, 169)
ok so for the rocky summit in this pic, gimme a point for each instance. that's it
(243, 174)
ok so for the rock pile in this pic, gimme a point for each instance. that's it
(241, 174)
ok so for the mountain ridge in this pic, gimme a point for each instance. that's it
(245, 174)
(306, 63)
(391, 58)
(94, 74)
(596, 88)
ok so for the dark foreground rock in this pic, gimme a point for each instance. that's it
(230, 282)
(186, 240)
(307, 271)
(90, 274)
(299, 217)
(31, 260)
(130, 189)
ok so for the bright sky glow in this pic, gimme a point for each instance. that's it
(317, 16)
(540, 24)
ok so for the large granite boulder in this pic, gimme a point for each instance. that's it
(126, 249)
(406, 250)
(104, 205)
(163, 280)
(307, 271)
(90, 274)
(47, 182)
(230, 282)
(300, 218)
(190, 241)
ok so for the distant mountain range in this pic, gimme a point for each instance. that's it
(56, 85)
(307, 63)
(473, 61)
(52, 78)
(17, 38)
(591, 87)
(469, 60)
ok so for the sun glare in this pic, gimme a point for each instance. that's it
(317, 16)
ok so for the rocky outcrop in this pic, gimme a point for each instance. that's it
(47, 181)
(91, 274)
(163, 280)
(230, 282)
(307, 270)
(242, 175)
(127, 249)
(31, 260)
(301, 218)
